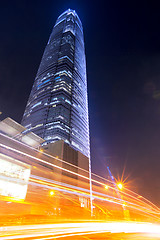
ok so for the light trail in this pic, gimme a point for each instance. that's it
(53, 231)
(80, 191)
(154, 211)
(42, 161)
(128, 190)
(76, 167)
(46, 154)
(134, 196)
(67, 192)
(61, 168)
(85, 192)
(138, 204)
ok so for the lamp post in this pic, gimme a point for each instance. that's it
(120, 185)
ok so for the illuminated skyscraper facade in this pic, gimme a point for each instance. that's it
(57, 108)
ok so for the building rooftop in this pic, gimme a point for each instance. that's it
(15, 130)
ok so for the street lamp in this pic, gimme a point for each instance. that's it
(106, 187)
(120, 185)
(51, 193)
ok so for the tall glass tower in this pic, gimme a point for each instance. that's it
(57, 108)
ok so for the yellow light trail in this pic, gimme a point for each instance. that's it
(54, 231)
(134, 195)
(154, 211)
(74, 190)
(103, 184)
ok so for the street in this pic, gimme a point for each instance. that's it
(83, 230)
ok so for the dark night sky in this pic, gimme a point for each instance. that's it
(122, 40)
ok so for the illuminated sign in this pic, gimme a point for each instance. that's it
(14, 176)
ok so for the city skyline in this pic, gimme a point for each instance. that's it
(123, 62)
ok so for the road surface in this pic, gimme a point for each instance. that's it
(83, 230)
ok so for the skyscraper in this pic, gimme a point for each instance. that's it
(57, 108)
